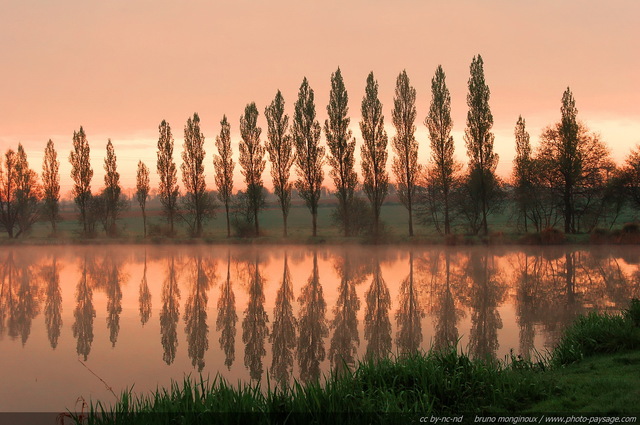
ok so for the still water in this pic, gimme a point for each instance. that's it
(72, 317)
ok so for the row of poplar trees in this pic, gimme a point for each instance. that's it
(570, 179)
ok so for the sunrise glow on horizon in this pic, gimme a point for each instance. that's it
(118, 69)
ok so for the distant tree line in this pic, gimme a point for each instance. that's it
(568, 181)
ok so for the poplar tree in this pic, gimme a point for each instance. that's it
(569, 156)
(341, 150)
(522, 170)
(405, 164)
(51, 186)
(81, 173)
(142, 192)
(374, 150)
(252, 161)
(223, 165)
(113, 204)
(441, 175)
(166, 167)
(309, 153)
(280, 148)
(8, 183)
(27, 193)
(479, 141)
(197, 201)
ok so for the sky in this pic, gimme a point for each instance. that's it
(119, 67)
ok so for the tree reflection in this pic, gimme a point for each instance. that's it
(377, 326)
(53, 301)
(445, 313)
(84, 313)
(227, 318)
(144, 295)
(486, 296)
(254, 325)
(283, 333)
(19, 298)
(409, 314)
(345, 339)
(114, 278)
(312, 325)
(170, 312)
(195, 314)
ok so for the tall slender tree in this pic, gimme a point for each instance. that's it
(374, 151)
(81, 173)
(280, 148)
(309, 153)
(51, 186)
(223, 164)
(142, 192)
(443, 166)
(113, 204)
(341, 149)
(569, 158)
(479, 139)
(197, 201)
(252, 161)
(166, 167)
(405, 164)
(522, 169)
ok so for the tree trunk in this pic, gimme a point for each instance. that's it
(314, 219)
(410, 220)
(226, 205)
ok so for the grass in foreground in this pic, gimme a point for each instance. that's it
(576, 377)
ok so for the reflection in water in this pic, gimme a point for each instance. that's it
(195, 313)
(53, 301)
(283, 333)
(170, 312)
(19, 300)
(445, 313)
(313, 326)
(345, 339)
(254, 325)
(113, 275)
(409, 315)
(227, 318)
(84, 313)
(486, 295)
(528, 284)
(377, 326)
(144, 297)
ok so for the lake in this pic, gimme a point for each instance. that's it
(72, 317)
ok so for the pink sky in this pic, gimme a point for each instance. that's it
(119, 67)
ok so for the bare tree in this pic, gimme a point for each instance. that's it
(280, 148)
(51, 186)
(142, 192)
(166, 168)
(374, 151)
(309, 153)
(81, 173)
(197, 202)
(405, 165)
(223, 164)
(252, 161)
(341, 150)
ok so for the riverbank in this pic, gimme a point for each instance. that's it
(593, 370)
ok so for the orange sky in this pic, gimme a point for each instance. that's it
(119, 67)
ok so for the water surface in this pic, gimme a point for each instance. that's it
(143, 315)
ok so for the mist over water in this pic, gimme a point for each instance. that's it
(143, 315)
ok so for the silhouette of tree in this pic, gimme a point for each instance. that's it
(19, 194)
(166, 167)
(522, 170)
(405, 164)
(144, 295)
(170, 313)
(374, 151)
(197, 202)
(283, 333)
(84, 313)
(252, 162)
(113, 203)
(409, 314)
(227, 318)
(223, 164)
(341, 145)
(377, 326)
(53, 302)
(142, 192)
(254, 325)
(280, 148)
(479, 140)
(81, 173)
(51, 186)
(309, 153)
(195, 314)
(313, 326)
